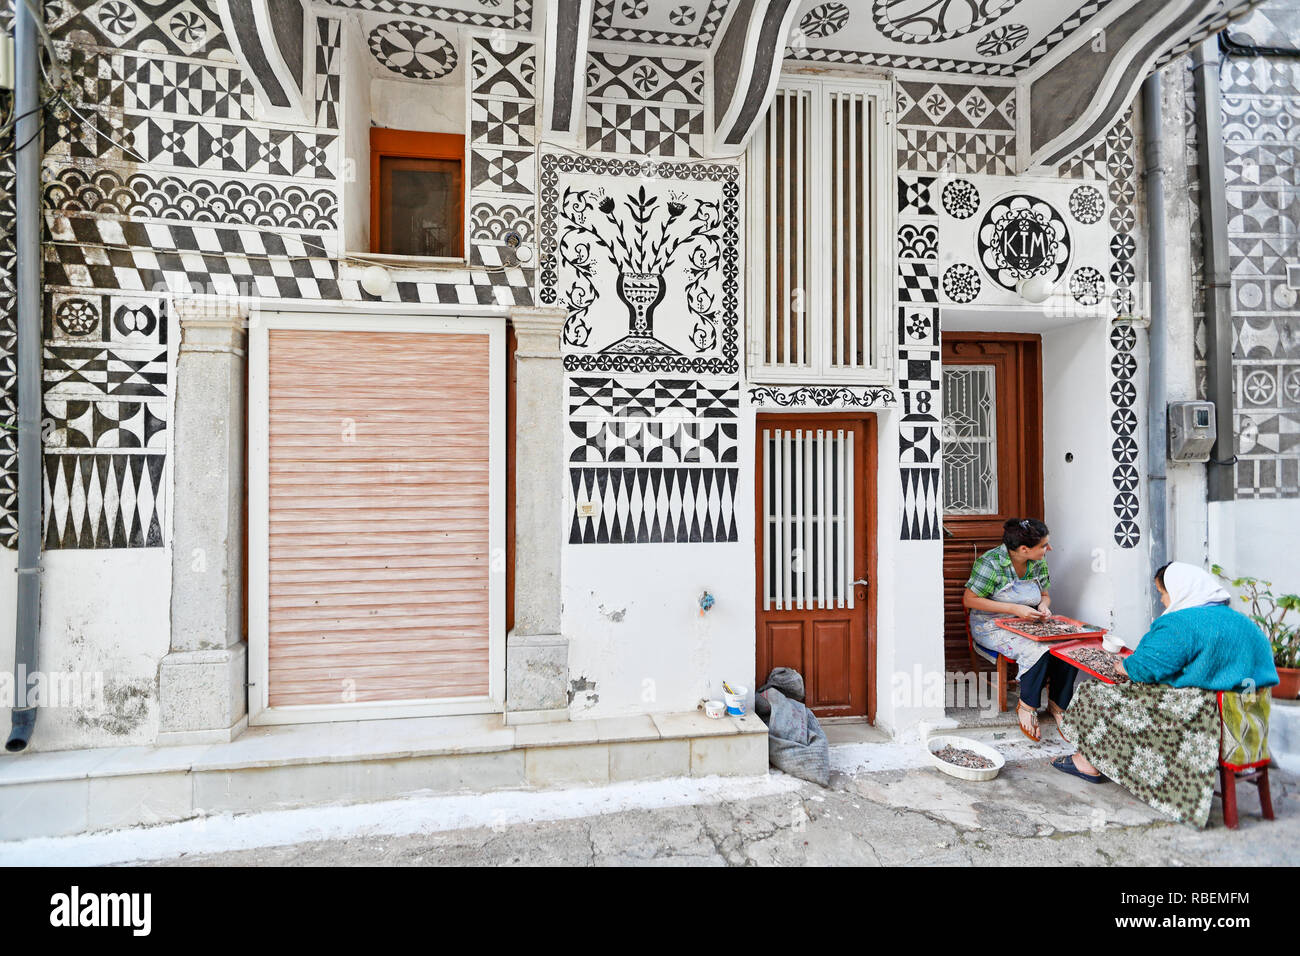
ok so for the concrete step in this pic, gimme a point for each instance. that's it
(65, 792)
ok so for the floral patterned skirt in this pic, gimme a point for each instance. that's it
(1160, 743)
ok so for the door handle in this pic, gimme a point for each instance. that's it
(863, 581)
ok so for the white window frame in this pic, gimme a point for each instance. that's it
(879, 282)
(260, 712)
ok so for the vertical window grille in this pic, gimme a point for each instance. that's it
(821, 287)
(807, 518)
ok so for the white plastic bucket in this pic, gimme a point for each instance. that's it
(713, 708)
(736, 701)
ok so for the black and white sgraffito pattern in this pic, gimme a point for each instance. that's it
(653, 505)
(918, 357)
(961, 199)
(660, 398)
(412, 49)
(632, 441)
(932, 21)
(1022, 236)
(822, 396)
(645, 258)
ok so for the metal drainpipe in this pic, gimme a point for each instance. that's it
(1216, 269)
(1157, 427)
(27, 199)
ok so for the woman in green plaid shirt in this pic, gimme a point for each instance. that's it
(1012, 581)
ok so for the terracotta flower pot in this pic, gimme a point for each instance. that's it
(1288, 687)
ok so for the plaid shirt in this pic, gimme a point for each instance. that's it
(993, 571)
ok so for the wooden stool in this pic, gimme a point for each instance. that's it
(1256, 773)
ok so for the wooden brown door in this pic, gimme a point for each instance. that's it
(815, 551)
(992, 456)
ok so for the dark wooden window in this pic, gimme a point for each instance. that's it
(417, 190)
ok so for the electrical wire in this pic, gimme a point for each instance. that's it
(8, 125)
(30, 139)
(95, 126)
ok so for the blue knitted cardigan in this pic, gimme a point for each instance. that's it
(1212, 647)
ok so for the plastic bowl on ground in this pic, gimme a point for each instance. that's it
(935, 744)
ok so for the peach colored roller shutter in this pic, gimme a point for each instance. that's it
(378, 516)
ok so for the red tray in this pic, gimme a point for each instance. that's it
(1009, 624)
(1084, 642)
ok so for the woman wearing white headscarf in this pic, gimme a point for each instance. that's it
(1158, 736)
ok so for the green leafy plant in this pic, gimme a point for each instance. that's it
(1269, 611)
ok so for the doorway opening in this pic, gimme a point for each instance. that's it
(815, 557)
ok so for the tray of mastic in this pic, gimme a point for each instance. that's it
(1089, 655)
(1058, 627)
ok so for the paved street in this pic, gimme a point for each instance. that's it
(1030, 814)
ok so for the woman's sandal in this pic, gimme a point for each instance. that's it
(1057, 713)
(1065, 764)
(1023, 708)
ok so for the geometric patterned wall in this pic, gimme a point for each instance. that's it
(945, 129)
(645, 105)
(1261, 132)
(166, 184)
(950, 129)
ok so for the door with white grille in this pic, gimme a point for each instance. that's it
(815, 511)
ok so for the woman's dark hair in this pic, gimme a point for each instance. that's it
(1160, 575)
(1023, 533)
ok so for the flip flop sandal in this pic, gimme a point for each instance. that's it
(1066, 765)
(1056, 716)
(1034, 737)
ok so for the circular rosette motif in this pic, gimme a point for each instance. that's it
(1087, 285)
(961, 199)
(824, 20)
(1087, 204)
(1020, 237)
(1002, 39)
(932, 21)
(77, 317)
(412, 49)
(961, 283)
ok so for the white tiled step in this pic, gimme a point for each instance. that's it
(60, 793)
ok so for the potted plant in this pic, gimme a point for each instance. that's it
(1269, 612)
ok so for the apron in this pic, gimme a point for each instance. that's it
(1022, 650)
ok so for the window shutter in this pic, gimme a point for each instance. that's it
(821, 288)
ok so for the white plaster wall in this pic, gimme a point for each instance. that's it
(631, 614)
(1256, 537)
(1078, 495)
(102, 612)
(8, 612)
(1093, 579)
(355, 118)
(426, 107)
(909, 609)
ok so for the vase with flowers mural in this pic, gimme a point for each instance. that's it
(641, 292)
(642, 240)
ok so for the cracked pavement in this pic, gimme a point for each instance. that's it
(1029, 814)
